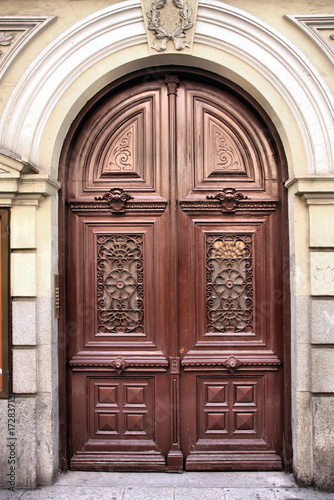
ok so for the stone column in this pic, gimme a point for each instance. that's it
(313, 350)
(34, 375)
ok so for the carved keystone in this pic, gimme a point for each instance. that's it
(116, 199)
(229, 199)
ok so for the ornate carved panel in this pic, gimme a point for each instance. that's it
(120, 290)
(229, 283)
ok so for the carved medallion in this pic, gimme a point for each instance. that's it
(116, 199)
(160, 31)
(229, 199)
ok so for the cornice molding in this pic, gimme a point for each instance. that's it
(30, 25)
(311, 24)
(220, 26)
(313, 189)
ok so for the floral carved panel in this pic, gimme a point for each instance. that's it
(120, 284)
(229, 283)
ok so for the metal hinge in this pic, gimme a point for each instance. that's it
(7, 230)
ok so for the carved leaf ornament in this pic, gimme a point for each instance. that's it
(6, 39)
(155, 25)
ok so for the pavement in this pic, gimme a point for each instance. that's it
(163, 486)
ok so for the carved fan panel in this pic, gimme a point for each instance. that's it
(123, 147)
(223, 148)
(221, 152)
(122, 156)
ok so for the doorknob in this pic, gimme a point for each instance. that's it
(229, 199)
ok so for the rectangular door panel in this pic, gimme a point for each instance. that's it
(119, 422)
(237, 421)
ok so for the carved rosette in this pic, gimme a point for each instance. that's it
(116, 199)
(119, 364)
(232, 364)
(229, 199)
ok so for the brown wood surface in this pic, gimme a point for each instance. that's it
(174, 316)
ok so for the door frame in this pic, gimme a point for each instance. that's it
(64, 328)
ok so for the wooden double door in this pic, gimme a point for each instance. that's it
(174, 280)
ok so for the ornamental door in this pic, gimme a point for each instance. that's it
(174, 280)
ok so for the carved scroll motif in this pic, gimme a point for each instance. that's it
(116, 199)
(227, 158)
(121, 158)
(229, 199)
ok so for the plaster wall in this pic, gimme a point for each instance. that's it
(29, 188)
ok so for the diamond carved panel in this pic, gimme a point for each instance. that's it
(216, 394)
(135, 424)
(107, 395)
(230, 407)
(135, 395)
(216, 422)
(244, 394)
(107, 422)
(245, 422)
(122, 408)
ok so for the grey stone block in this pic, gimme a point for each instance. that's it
(73, 493)
(199, 494)
(248, 494)
(24, 322)
(150, 493)
(322, 370)
(322, 321)
(301, 494)
(20, 446)
(24, 363)
(323, 443)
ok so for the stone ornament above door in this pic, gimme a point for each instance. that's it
(169, 24)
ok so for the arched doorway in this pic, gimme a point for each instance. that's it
(176, 308)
